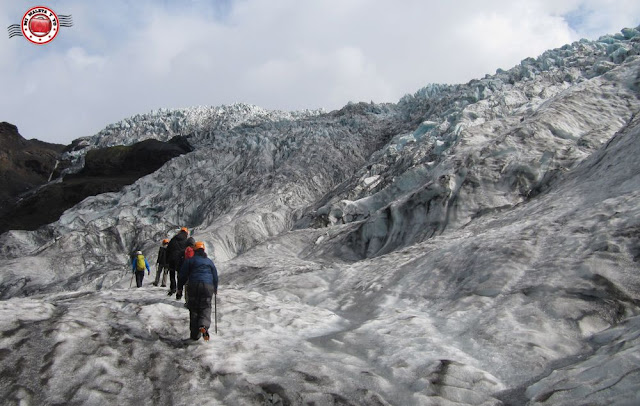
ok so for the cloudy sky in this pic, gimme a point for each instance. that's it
(124, 57)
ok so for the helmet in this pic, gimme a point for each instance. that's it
(185, 229)
(138, 252)
(191, 241)
(165, 241)
(199, 245)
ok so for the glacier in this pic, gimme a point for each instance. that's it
(471, 244)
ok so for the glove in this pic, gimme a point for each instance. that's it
(148, 272)
(179, 295)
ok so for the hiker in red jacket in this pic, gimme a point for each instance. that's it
(188, 253)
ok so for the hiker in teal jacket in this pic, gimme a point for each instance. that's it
(138, 265)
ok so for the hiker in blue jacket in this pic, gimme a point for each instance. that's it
(202, 275)
(138, 266)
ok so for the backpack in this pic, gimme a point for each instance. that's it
(188, 253)
(140, 265)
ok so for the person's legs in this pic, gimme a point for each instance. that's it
(158, 272)
(204, 314)
(165, 271)
(200, 308)
(199, 305)
(172, 280)
(192, 304)
(194, 332)
(139, 278)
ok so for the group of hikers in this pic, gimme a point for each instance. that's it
(185, 258)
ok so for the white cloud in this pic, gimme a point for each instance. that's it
(122, 58)
(81, 60)
(353, 77)
(599, 17)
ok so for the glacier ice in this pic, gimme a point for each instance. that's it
(471, 244)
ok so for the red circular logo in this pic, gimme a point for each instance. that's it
(40, 25)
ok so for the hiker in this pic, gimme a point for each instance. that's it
(138, 265)
(188, 253)
(203, 284)
(175, 252)
(161, 264)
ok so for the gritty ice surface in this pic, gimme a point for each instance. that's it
(472, 244)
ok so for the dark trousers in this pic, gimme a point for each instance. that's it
(199, 305)
(139, 278)
(172, 279)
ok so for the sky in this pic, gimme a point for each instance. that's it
(126, 57)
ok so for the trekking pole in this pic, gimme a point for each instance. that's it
(132, 275)
(215, 314)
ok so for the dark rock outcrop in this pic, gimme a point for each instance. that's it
(24, 164)
(105, 170)
(134, 160)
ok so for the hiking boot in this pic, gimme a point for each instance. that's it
(171, 293)
(163, 286)
(205, 333)
(195, 335)
(155, 283)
